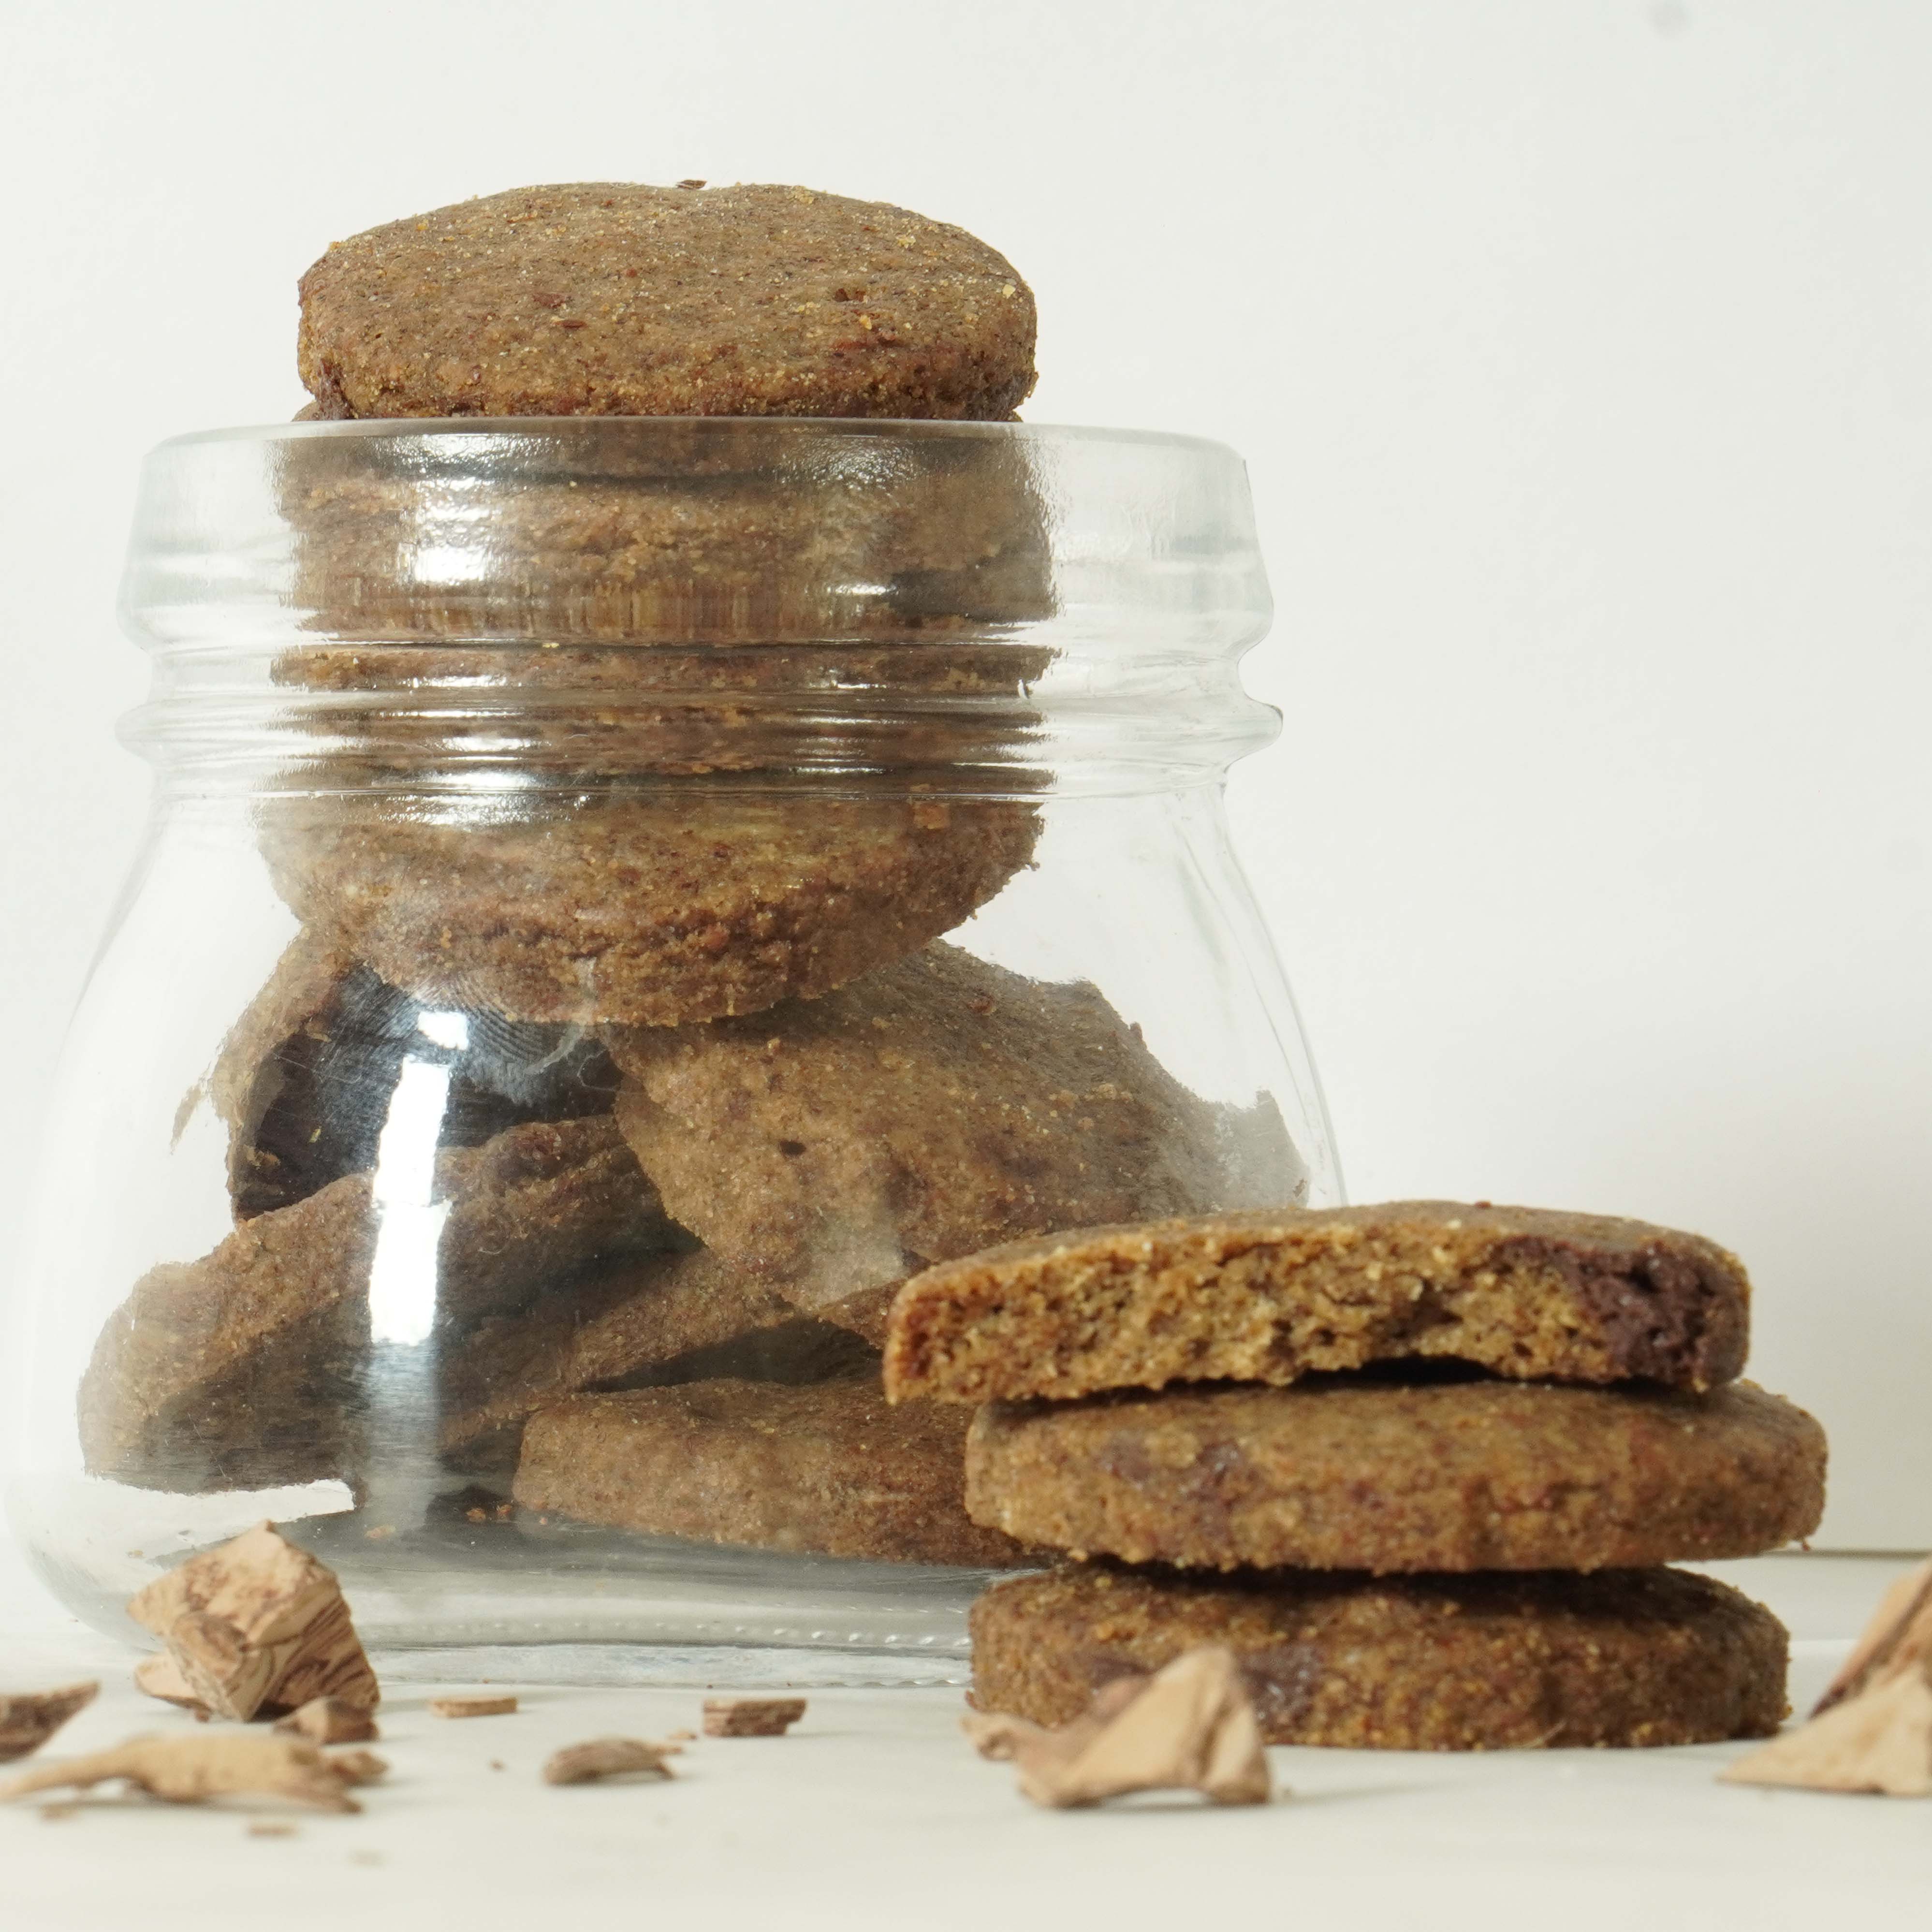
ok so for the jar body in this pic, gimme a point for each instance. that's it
(524, 1065)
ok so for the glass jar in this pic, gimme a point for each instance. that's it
(621, 896)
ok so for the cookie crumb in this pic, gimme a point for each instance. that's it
(1190, 1727)
(751, 1716)
(598, 1758)
(271, 1828)
(255, 1625)
(329, 1721)
(472, 1707)
(29, 1718)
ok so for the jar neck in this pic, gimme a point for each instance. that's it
(984, 717)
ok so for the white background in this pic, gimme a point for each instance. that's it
(1579, 350)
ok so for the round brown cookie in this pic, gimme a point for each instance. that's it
(305, 1079)
(828, 1468)
(243, 1370)
(1350, 1473)
(818, 536)
(655, 908)
(612, 298)
(932, 1106)
(1626, 1656)
(1267, 1296)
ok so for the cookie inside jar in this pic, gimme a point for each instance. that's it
(673, 828)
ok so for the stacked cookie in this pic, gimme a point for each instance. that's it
(1421, 1465)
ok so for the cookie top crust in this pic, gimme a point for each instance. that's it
(1269, 1296)
(1354, 1472)
(615, 298)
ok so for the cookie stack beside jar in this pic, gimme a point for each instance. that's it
(1424, 1466)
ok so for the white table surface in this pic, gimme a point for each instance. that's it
(874, 1812)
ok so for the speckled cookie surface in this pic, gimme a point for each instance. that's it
(655, 908)
(1351, 1472)
(612, 298)
(304, 1079)
(828, 1468)
(1521, 1292)
(603, 1330)
(934, 1105)
(1627, 1656)
(242, 1369)
(238, 1371)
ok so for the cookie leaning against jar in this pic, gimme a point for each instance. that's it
(835, 1145)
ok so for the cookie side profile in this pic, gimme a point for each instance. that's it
(835, 1145)
(828, 1468)
(615, 298)
(1347, 1472)
(1624, 1657)
(617, 1323)
(1269, 1297)
(647, 908)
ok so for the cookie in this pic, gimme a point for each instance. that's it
(244, 1369)
(904, 555)
(932, 1107)
(653, 907)
(1268, 1297)
(1349, 1472)
(828, 1468)
(240, 1371)
(533, 1206)
(1626, 1656)
(601, 1331)
(305, 1079)
(614, 298)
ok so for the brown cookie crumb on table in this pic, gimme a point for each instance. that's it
(29, 1718)
(751, 1716)
(610, 298)
(599, 1758)
(1626, 1656)
(1352, 1472)
(472, 1707)
(827, 1468)
(1267, 1297)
